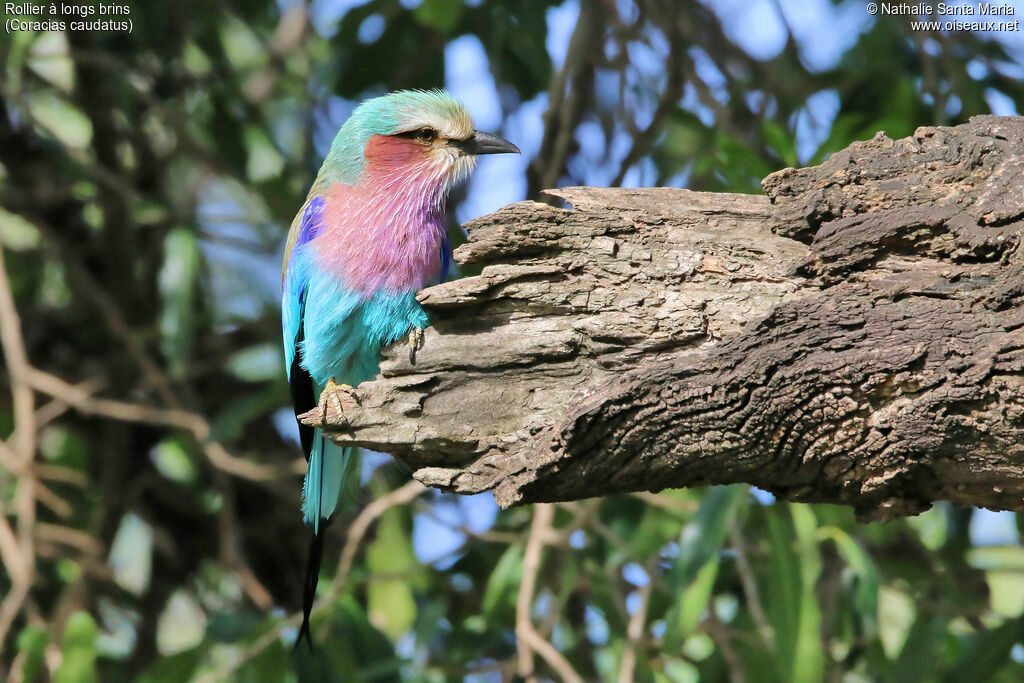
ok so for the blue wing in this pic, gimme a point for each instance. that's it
(297, 268)
(449, 269)
(328, 466)
(295, 285)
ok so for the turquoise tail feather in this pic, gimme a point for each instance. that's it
(331, 470)
(329, 473)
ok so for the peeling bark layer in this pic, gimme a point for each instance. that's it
(855, 337)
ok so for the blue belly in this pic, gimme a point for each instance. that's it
(345, 332)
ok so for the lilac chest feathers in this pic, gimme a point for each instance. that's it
(378, 239)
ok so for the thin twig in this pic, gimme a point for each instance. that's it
(17, 672)
(568, 94)
(749, 583)
(64, 475)
(644, 140)
(55, 408)
(635, 631)
(9, 459)
(9, 550)
(230, 557)
(720, 635)
(73, 538)
(20, 563)
(22, 440)
(83, 401)
(48, 497)
(528, 640)
(369, 514)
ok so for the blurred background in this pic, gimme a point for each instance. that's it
(150, 474)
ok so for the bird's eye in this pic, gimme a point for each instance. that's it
(425, 134)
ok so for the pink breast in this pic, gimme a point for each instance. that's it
(385, 232)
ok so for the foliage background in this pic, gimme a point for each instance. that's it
(150, 476)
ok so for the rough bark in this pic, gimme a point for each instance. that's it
(855, 337)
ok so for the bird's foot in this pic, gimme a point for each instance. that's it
(415, 342)
(330, 398)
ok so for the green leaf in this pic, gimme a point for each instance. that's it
(230, 626)
(61, 119)
(243, 47)
(177, 289)
(808, 656)
(131, 554)
(391, 605)
(703, 536)
(171, 458)
(657, 527)
(195, 60)
(264, 161)
(257, 363)
(987, 655)
(78, 650)
(788, 592)
(16, 233)
(442, 15)
(233, 418)
(930, 526)
(780, 140)
(1004, 558)
(623, 516)
(32, 644)
(80, 631)
(678, 671)
(693, 601)
(178, 667)
(181, 625)
(78, 665)
(865, 574)
(693, 574)
(916, 660)
(503, 584)
(272, 665)
(1006, 593)
(49, 58)
(896, 616)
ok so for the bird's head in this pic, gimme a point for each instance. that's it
(425, 135)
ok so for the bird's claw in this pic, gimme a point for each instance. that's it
(415, 342)
(330, 398)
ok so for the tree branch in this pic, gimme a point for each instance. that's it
(856, 337)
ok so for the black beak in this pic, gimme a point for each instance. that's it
(485, 143)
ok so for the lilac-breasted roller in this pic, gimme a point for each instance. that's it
(370, 235)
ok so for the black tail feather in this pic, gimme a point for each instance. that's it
(301, 384)
(316, 553)
(304, 399)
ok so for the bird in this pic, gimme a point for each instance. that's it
(370, 234)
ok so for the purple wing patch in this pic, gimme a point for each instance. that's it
(311, 219)
(446, 258)
(293, 297)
